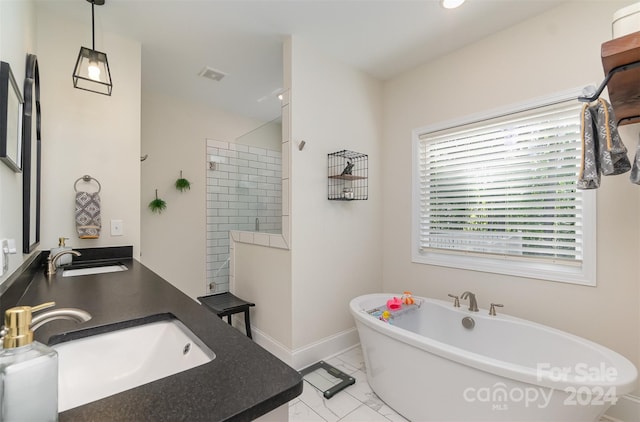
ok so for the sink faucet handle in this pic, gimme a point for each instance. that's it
(42, 306)
(492, 308)
(456, 300)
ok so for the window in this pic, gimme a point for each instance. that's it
(499, 194)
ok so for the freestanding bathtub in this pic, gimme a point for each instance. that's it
(427, 366)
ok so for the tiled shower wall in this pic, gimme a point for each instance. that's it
(243, 184)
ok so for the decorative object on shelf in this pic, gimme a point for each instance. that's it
(92, 68)
(31, 156)
(348, 176)
(348, 169)
(88, 221)
(157, 205)
(11, 104)
(182, 184)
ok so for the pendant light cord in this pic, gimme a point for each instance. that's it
(93, 30)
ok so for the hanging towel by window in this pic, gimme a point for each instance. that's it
(602, 149)
(589, 169)
(88, 222)
(635, 170)
(613, 153)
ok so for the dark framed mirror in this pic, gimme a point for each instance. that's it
(11, 112)
(32, 157)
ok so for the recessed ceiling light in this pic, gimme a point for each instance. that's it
(451, 4)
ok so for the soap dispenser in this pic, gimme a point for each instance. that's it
(28, 370)
(64, 259)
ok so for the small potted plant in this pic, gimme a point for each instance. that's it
(182, 184)
(157, 205)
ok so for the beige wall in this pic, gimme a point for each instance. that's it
(17, 38)
(174, 136)
(553, 52)
(263, 275)
(82, 133)
(336, 248)
(88, 133)
(267, 135)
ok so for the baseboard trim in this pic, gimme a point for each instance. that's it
(304, 356)
(273, 346)
(324, 348)
(627, 409)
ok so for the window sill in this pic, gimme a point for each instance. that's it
(574, 274)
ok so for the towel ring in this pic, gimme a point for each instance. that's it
(86, 178)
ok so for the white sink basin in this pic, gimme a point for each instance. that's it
(94, 270)
(95, 367)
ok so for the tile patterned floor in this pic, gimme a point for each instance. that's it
(356, 403)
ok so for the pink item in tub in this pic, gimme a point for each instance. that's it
(394, 304)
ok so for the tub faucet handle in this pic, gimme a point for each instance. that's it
(492, 308)
(456, 300)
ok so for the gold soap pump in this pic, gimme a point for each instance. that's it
(17, 325)
(28, 370)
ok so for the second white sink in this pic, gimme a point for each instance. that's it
(95, 367)
(94, 270)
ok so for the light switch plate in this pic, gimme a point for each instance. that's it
(117, 228)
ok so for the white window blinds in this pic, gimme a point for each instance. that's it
(504, 187)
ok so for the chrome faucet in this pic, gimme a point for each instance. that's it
(72, 314)
(51, 261)
(473, 304)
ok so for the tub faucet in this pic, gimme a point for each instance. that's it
(473, 304)
(51, 261)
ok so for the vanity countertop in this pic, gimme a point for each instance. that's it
(243, 382)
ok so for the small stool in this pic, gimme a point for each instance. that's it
(226, 304)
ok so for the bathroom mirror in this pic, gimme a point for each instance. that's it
(10, 119)
(31, 157)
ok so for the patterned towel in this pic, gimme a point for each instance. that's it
(613, 153)
(589, 177)
(88, 222)
(635, 170)
(603, 152)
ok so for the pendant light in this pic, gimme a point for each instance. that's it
(92, 68)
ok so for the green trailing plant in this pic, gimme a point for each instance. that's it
(157, 205)
(182, 184)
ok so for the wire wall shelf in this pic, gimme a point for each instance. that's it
(348, 176)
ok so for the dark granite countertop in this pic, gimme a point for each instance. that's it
(243, 382)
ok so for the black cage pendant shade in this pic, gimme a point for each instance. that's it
(92, 68)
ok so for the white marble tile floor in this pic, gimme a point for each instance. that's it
(356, 403)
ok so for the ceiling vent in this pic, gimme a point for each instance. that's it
(211, 73)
